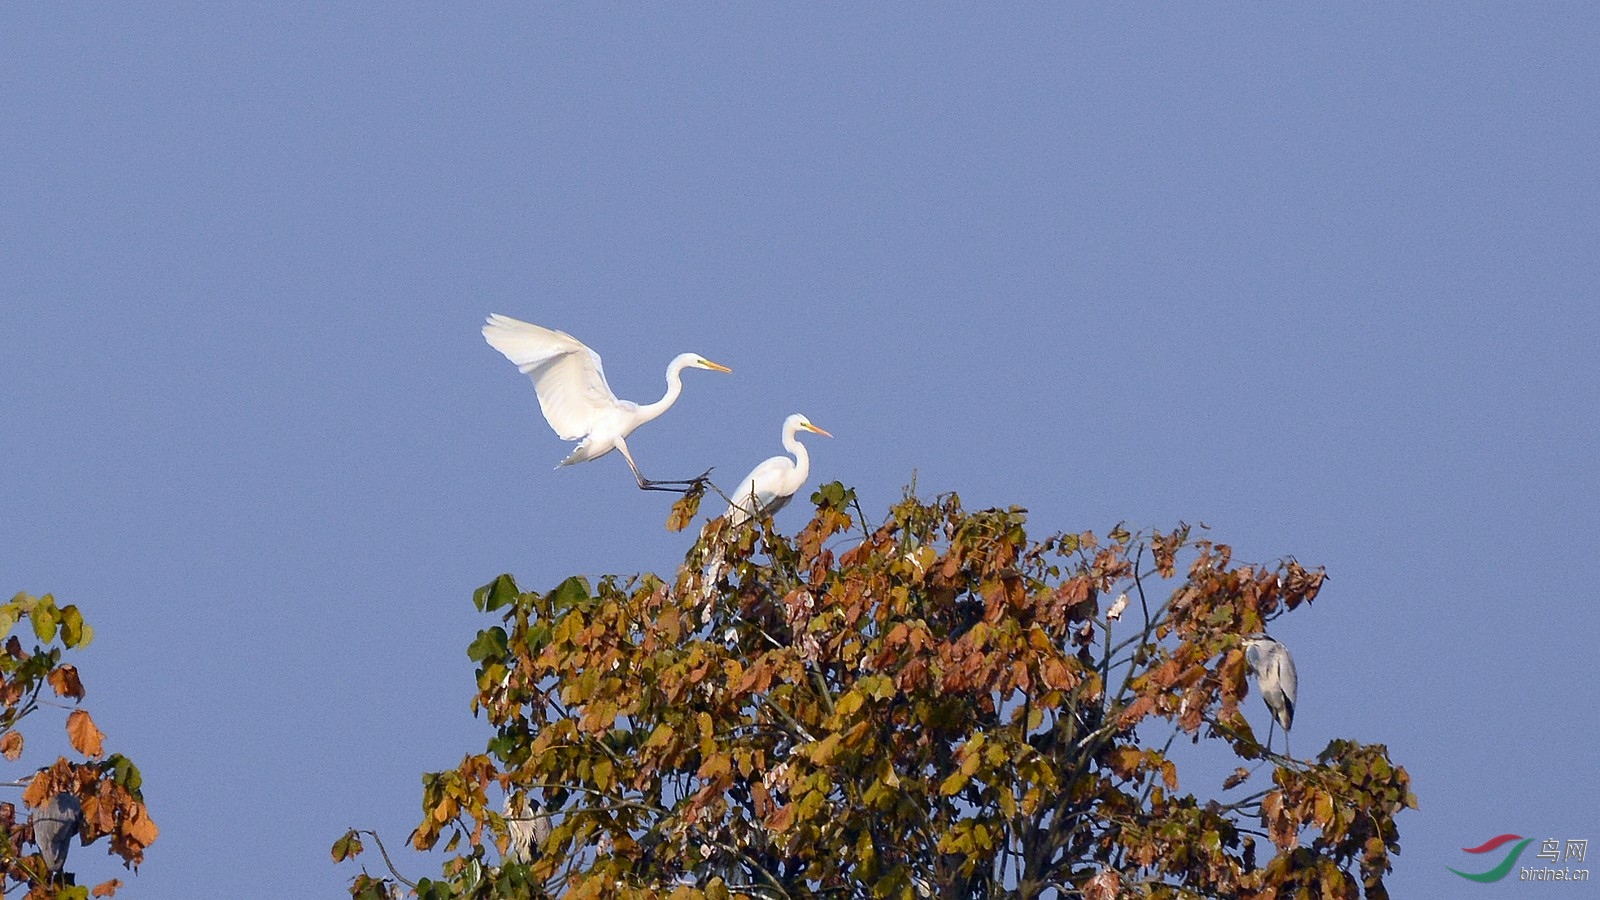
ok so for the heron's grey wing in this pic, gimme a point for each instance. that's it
(54, 826)
(522, 829)
(566, 374)
(1288, 680)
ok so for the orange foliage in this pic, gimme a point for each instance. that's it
(887, 711)
(107, 788)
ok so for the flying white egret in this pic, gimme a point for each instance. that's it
(573, 393)
(1275, 677)
(770, 485)
(54, 826)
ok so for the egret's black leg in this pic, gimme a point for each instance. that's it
(689, 483)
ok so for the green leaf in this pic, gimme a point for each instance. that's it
(490, 642)
(434, 890)
(831, 494)
(124, 772)
(348, 846)
(570, 593)
(498, 593)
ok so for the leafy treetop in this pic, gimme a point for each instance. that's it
(938, 706)
(108, 787)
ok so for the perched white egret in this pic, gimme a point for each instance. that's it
(1275, 678)
(770, 485)
(54, 826)
(573, 393)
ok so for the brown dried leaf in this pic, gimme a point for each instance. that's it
(1104, 886)
(140, 827)
(106, 888)
(86, 738)
(65, 681)
(1280, 824)
(11, 745)
(1137, 710)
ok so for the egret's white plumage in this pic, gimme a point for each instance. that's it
(1275, 678)
(769, 486)
(572, 389)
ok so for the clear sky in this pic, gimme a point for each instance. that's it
(1324, 279)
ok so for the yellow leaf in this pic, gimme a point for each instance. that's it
(849, 703)
(683, 512)
(953, 784)
(1324, 810)
(1008, 804)
(822, 754)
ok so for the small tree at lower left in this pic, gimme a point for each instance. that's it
(72, 800)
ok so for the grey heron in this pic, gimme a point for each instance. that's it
(54, 825)
(1273, 668)
(527, 828)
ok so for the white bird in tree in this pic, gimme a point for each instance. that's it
(574, 396)
(770, 485)
(1275, 677)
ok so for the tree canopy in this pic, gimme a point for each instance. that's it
(937, 705)
(107, 787)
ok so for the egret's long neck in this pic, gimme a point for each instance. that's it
(674, 388)
(802, 459)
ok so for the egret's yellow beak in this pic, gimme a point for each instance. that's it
(810, 427)
(708, 364)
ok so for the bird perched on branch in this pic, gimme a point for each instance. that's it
(527, 828)
(770, 485)
(1273, 667)
(54, 826)
(574, 396)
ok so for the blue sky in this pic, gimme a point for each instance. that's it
(1323, 279)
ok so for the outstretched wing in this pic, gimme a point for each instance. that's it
(566, 374)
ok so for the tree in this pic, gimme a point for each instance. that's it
(938, 706)
(106, 787)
